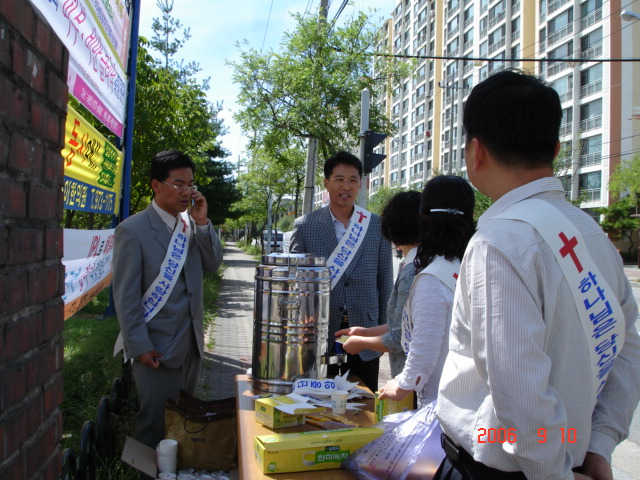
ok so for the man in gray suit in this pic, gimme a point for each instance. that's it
(359, 297)
(166, 349)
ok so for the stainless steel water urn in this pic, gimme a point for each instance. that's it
(290, 320)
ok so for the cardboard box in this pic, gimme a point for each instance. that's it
(299, 452)
(140, 457)
(386, 406)
(268, 415)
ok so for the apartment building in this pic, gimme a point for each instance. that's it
(572, 44)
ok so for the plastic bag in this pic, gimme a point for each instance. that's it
(409, 449)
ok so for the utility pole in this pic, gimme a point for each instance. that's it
(364, 126)
(312, 146)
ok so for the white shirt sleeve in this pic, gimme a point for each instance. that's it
(429, 303)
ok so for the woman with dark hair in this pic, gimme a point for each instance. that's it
(399, 224)
(446, 225)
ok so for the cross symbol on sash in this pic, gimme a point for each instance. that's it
(567, 249)
(185, 226)
(362, 215)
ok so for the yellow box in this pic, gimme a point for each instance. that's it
(268, 415)
(299, 452)
(387, 406)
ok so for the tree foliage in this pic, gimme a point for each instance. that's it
(312, 86)
(618, 221)
(627, 177)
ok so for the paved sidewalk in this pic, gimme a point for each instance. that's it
(228, 343)
(228, 346)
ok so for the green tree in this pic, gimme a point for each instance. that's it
(379, 200)
(626, 177)
(311, 88)
(618, 221)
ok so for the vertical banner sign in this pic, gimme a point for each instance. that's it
(96, 76)
(92, 168)
(87, 266)
(114, 20)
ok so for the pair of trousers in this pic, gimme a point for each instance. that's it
(366, 371)
(460, 465)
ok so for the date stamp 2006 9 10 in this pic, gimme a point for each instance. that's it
(504, 435)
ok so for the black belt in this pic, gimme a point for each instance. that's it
(465, 464)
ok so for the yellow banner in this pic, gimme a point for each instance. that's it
(92, 168)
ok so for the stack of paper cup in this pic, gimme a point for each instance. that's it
(167, 454)
(339, 401)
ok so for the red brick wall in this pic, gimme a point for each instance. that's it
(33, 102)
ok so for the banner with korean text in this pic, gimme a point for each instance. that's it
(87, 266)
(96, 75)
(92, 168)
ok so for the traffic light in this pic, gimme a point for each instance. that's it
(372, 160)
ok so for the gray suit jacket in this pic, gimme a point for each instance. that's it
(365, 286)
(140, 244)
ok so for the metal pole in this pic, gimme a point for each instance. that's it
(131, 101)
(127, 139)
(310, 177)
(364, 126)
(312, 147)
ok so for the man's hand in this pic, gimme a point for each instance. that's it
(151, 359)
(352, 331)
(392, 391)
(596, 467)
(353, 345)
(199, 210)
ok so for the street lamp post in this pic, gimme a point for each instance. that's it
(629, 16)
(637, 215)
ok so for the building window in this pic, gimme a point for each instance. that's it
(590, 185)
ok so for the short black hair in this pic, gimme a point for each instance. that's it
(341, 158)
(516, 116)
(400, 218)
(167, 160)
(445, 233)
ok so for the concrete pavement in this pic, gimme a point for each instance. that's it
(229, 347)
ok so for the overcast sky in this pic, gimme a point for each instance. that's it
(216, 26)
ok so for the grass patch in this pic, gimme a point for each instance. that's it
(250, 248)
(90, 368)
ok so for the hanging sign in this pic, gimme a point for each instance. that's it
(92, 168)
(87, 266)
(96, 77)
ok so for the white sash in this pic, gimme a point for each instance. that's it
(444, 270)
(600, 312)
(343, 254)
(158, 292)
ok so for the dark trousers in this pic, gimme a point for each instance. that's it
(366, 371)
(459, 465)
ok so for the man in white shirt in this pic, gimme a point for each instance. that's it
(517, 397)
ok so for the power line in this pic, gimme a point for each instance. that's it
(267, 27)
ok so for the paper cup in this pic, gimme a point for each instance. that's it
(167, 455)
(339, 401)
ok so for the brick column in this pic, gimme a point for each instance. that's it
(33, 102)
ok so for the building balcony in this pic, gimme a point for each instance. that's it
(593, 52)
(591, 88)
(565, 129)
(555, 5)
(566, 95)
(591, 19)
(496, 46)
(561, 34)
(467, 22)
(553, 68)
(591, 123)
(416, 176)
(590, 195)
(496, 20)
(591, 159)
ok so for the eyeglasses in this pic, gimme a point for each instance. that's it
(352, 182)
(182, 188)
